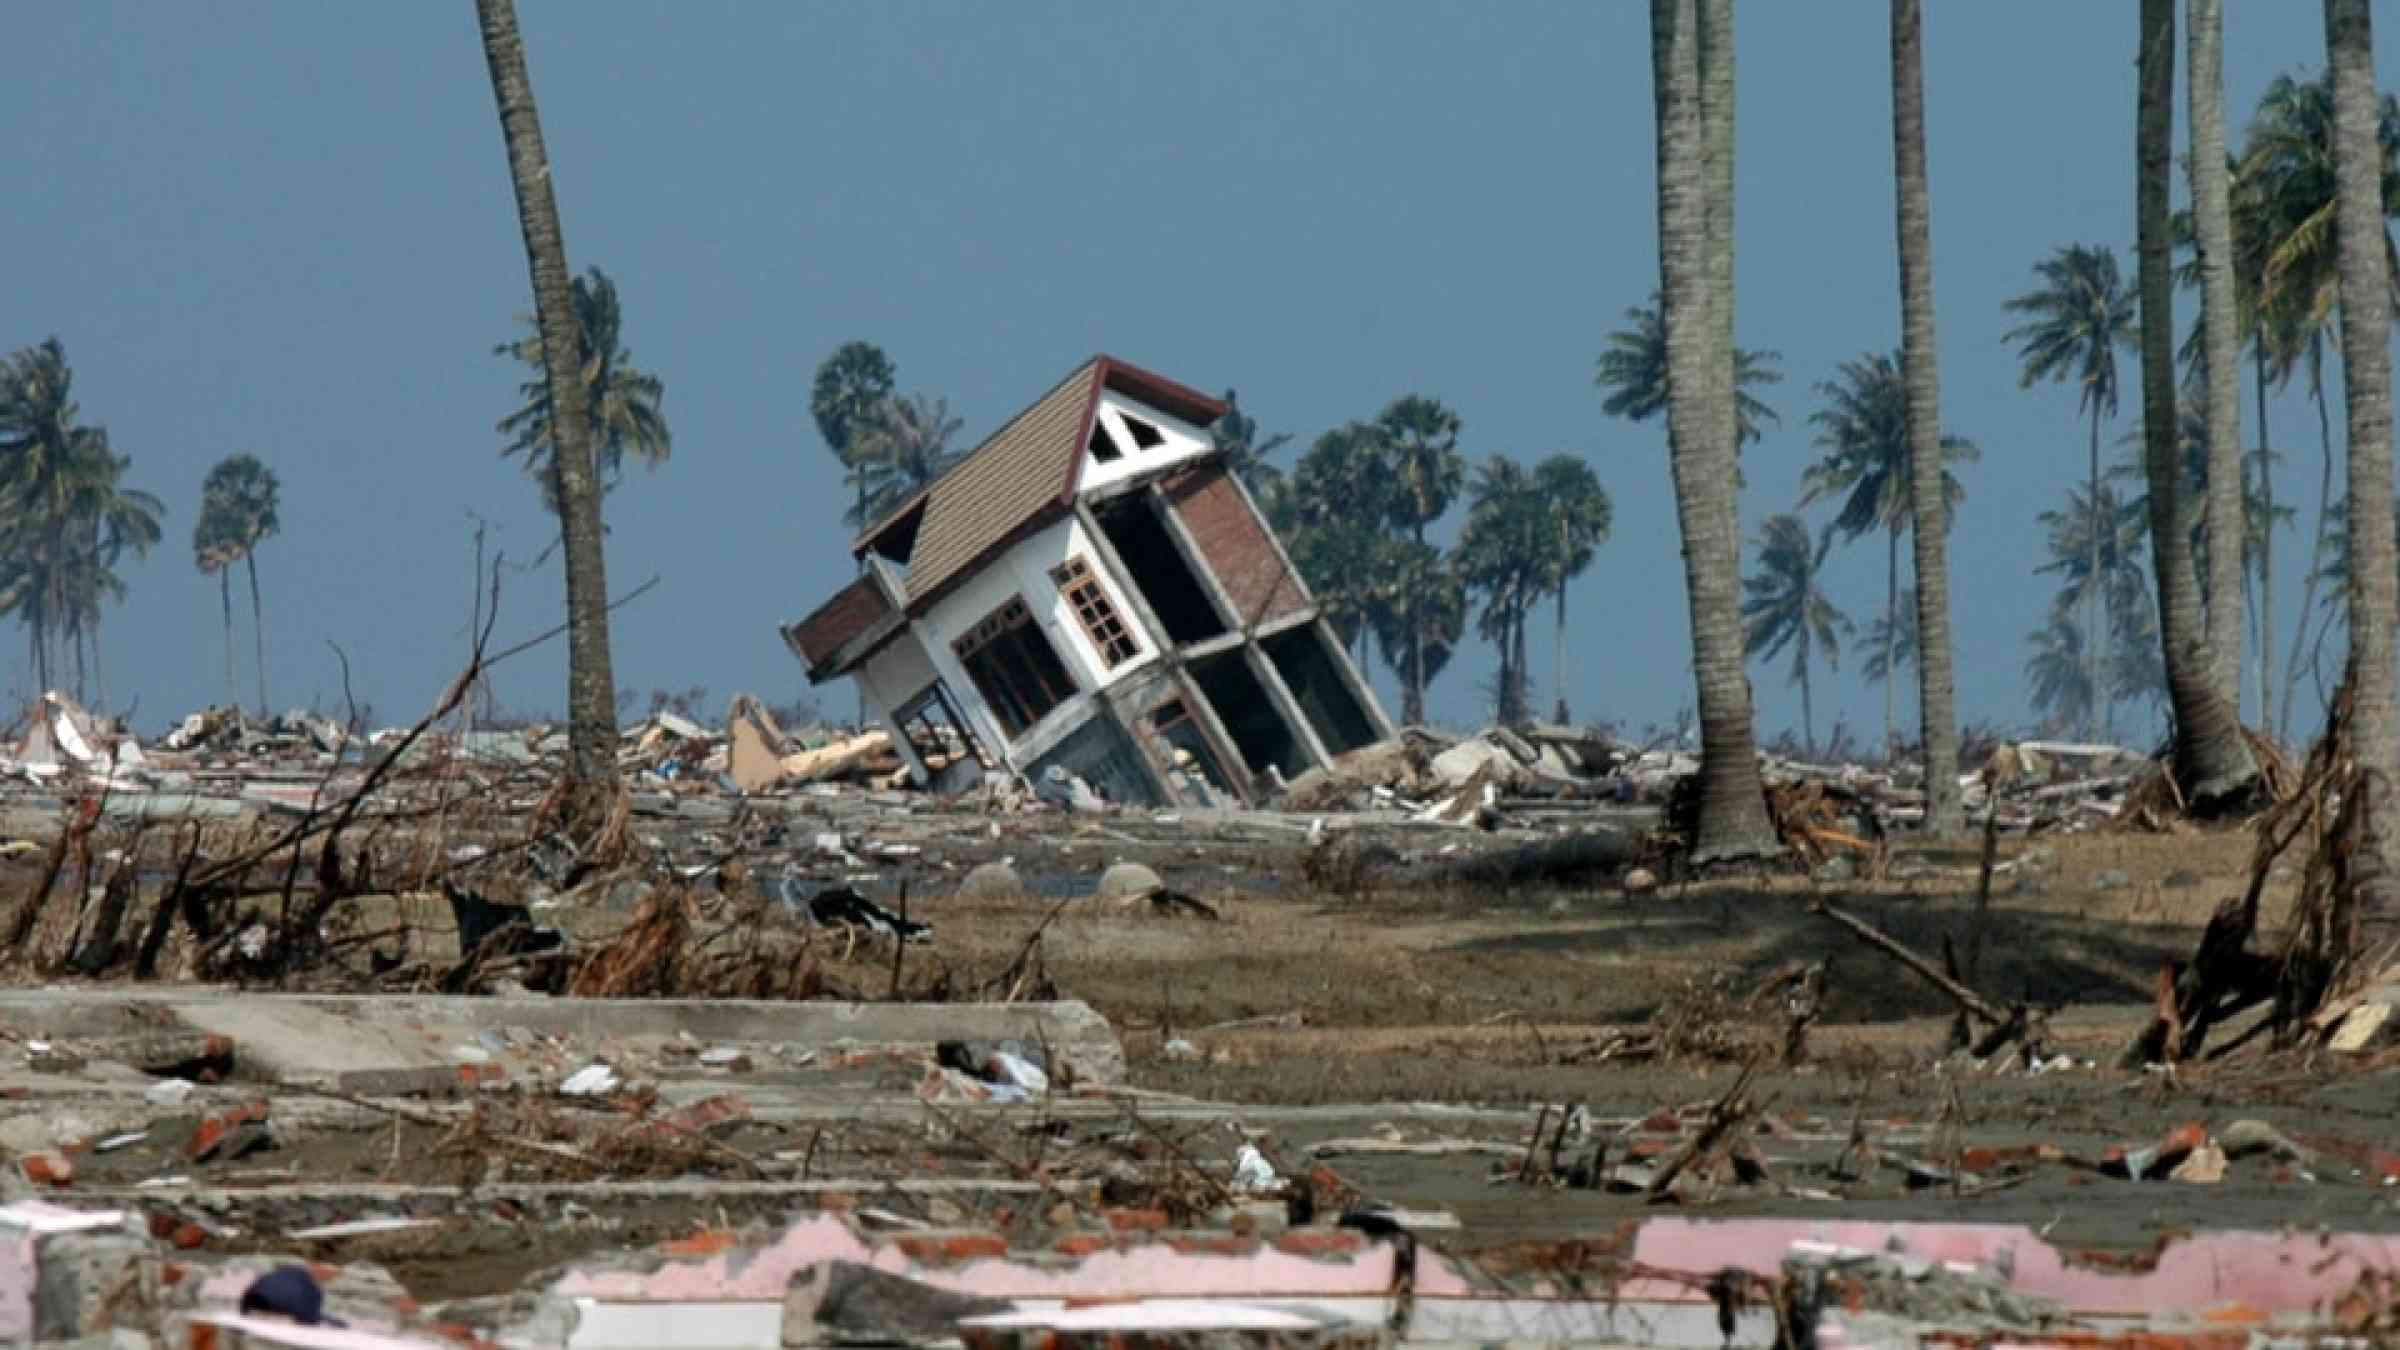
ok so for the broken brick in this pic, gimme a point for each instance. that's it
(47, 1169)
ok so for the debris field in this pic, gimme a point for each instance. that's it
(317, 1036)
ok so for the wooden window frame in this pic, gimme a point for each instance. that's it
(1020, 681)
(1111, 637)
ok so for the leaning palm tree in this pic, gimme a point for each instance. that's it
(1701, 423)
(627, 412)
(2078, 317)
(1579, 515)
(239, 510)
(2363, 250)
(900, 453)
(1633, 369)
(591, 678)
(1864, 431)
(1784, 605)
(2213, 761)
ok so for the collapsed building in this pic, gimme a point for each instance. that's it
(1092, 590)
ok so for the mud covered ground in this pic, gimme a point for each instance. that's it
(1417, 1018)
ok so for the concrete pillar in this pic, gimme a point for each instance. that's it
(1280, 694)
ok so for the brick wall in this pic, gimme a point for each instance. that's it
(1236, 544)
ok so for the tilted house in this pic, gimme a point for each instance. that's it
(1092, 589)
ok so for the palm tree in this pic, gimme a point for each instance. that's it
(591, 682)
(1337, 510)
(2060, 673)
(2079, 315)
(1785, 605)
(900, 452)
(1579, 515)
(848, 394)
(2119, 590)
(2212, 757)
(238, 511)
(1244, 451)
(2285, 250)
(1890, 642)
(1732, 820)
(1633, 368)
(67, 517)
(627, 417)
(2363, 250)
(2220, 319)
(1503, 555)
(1930, 503)
(1420, 439)
(1864, 430)
(44, 452)
(1420, 614)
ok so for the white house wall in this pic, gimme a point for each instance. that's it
(1023, 570)
(1182, 441)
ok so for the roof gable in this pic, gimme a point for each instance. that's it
(1019, 475)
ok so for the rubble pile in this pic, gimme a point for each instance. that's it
(538, 1173)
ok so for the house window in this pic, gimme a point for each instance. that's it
(1145, 436)
(1014, 667)
(1102, 445)
(1094, 611)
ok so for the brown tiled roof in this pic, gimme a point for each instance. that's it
(1008, 480)
(851, 611)
(1019, 473)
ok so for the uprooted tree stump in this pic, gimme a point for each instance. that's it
(2322, 954)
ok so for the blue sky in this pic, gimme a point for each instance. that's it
(286, 228)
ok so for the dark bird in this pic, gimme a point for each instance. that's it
(844, 908)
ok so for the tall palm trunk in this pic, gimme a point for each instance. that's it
(233, 690)
(2095, 598)
(2212, 222)
(2367, 385)
(1928, 503)
(2212, 760)
(1733, 814)
(1558, 654)
(1891, 615)
(2266, 545)
(1413, 705)
(99, 668)
(1808, 703)
(2308, 587)
(591, 684)
(258, 631)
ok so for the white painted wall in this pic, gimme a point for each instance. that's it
(1183, 441)
(1023, 570)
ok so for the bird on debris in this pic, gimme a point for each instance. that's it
(844, 908)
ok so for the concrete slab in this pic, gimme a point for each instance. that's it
(316, 1040)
